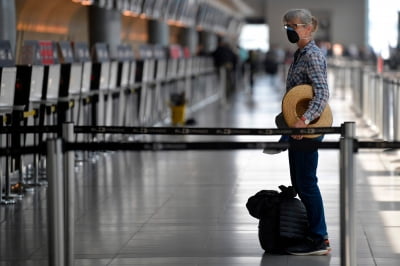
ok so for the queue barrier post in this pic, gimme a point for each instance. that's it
(69, 195)
(61, 200)
(55, 203)
(347, 193)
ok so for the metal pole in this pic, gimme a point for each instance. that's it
(55, 201)
(347, 191)
(396, 117)
(36, 156)
(69, 195)
(385, 118)
(8, 198)
(378, 101)
(222, 85)
(2, 169)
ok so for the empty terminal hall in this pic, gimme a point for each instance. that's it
(199, 133)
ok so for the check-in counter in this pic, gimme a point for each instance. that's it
(27, 107)
(82, 109)
(70, 83)
(176, 70)
(184, 55)
(100, 81)
(131, 117)
(112, 94)
(185, 70)
(175, 53)
(207, 77)
(197, 80)
(145, 76)
(125, 58)
(160, 55)
(7, 92)
(161, 88)
(46, 99)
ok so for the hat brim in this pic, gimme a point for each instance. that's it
(296, 102)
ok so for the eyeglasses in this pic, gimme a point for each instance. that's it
(293, 26)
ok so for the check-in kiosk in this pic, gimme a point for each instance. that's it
(82, 109)
(196, 79)
(146, 66)
(124, 58)
(132, 92)
(175, 53)
(203, 78)
(28, 94)
(70, 83)
(210, 75)
(182, 61)
(176, 70)
(99, 82)
(112, 94)
(51, 86)
(185, 69)
(43, 98)
(7, 80)
(161, 89)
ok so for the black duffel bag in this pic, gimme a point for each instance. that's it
(282, 218)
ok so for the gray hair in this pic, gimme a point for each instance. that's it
(304, 15)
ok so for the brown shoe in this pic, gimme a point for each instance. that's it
(310, 246)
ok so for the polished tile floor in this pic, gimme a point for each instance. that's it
(188, 207)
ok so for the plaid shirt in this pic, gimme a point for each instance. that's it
(309, 67)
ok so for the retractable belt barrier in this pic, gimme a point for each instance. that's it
(158, 146)
(207, 131)
(194, 145)
(60, 169)
(173, 130)
(180, 146)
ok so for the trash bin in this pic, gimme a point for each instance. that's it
(178, 107)
(178, 114)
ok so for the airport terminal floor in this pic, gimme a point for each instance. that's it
(188, 207)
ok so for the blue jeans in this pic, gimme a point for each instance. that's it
(303, 173)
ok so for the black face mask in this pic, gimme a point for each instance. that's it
(292, 35)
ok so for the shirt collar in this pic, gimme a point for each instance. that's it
(308, 46)
(300, 52)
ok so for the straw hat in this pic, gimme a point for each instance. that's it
(295, 103)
